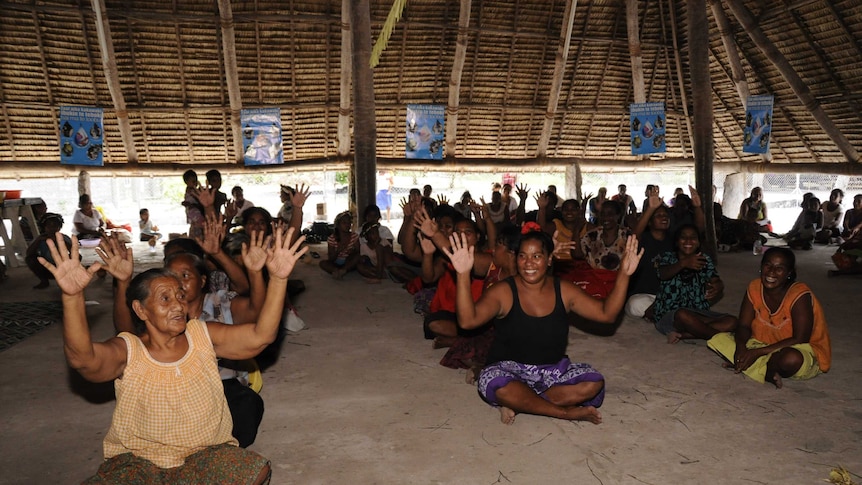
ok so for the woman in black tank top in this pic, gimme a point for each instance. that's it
(528, 370)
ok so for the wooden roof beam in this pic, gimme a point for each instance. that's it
(112, 77)
(679, 78)
(561, 60)
(455, 79)
(184, 90)
(228, 41)
(343, 147)
(736, 69)
(632, 28)
(746, 19)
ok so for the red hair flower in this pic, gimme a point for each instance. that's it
(530, 227)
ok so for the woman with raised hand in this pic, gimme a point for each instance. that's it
(171, 423)
(527, 370)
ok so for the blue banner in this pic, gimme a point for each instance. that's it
(425, 131)
(758, 124)
(81, 133)
(261, 136)
(648, 125)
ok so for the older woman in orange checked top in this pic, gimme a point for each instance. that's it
(527, 369)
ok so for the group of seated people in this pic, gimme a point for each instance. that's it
(498, 296)
(189, 337)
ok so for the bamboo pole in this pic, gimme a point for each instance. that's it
(230, 70)
(112, 78)
(455, 79)
(343, 148)
(557, 81)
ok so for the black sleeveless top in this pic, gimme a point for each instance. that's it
(527, 339)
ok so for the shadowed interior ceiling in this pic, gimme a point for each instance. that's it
(169, 76)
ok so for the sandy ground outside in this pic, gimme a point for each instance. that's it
(359, 397)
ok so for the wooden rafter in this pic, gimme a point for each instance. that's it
(50, 92)
(560, 62)
(748, 22)
(112, 77)
(834, 75)
(454, 100)
(258, 62)
(736, 70)
(228, 41)
(679, 75)
(138, 94)
(343, 148)
(635, 51)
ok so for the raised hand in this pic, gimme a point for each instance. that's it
(281, 258)
(695, 197)
(254, 253)
(522, 191)
(406, 207)
(70, 274)
(117, 257)
(427, 245)
(213, 235)
(230, 210)
(654, 201)
(442, 199)
(631, 256)
(302, 192)
(460, 255)
(424, 223)
(542, 199)
(205, 195)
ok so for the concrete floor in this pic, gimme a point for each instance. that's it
(359, 397)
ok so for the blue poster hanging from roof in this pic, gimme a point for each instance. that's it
(758, 124)
(647, 122)
(81, 133)
(425, 131)
(261, 136)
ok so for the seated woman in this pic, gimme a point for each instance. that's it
(51, 225)
(833, 215)
(441, 324)
(603, 248)
(527, 370)
(343, 248)
(653, 238)
(848, 257)
(374, 253)
(87, 223)
(208, 300)
(810, 219)
(782, 328)
(469, 350)
(755, 202)
(571, 226)
(689, 285)
(167, 353)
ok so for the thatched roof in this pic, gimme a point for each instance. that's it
(171, 74)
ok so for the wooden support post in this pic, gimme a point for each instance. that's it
(364, 168)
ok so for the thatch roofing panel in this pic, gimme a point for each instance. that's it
(170, 69)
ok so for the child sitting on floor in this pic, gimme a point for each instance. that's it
(149, 231)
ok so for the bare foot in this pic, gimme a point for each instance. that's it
(674, 337)
(338, 274)
(584, 413)
(473, 374)
(507, 416)
(42, 285)
(776, 379)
